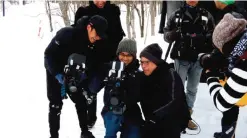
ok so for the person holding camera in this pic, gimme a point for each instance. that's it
(229, 37)
(121, 111)
(191, 28)
(69, 40)
(115, 33)
(162, 95)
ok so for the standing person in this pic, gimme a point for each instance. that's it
(129, 120)
(115, 33)
(67, 41)
(230, 38)
(191, 28)
(163, 99)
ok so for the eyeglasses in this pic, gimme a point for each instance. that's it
(144, 62)
(125, 55)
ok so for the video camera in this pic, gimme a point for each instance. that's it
(114, 82)
(216, 62)
(75, 74)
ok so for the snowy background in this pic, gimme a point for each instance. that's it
(23, 100)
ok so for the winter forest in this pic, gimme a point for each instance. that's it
(26, 29)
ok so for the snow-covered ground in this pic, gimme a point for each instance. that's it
(24, 104)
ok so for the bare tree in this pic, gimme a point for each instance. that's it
(132, 19)
(64, 7)
(141, 17)
(128, 18)
(152, 14)
(48, 12)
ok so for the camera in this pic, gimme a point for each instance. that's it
(216, 62)
(75, 73)
(113, 83)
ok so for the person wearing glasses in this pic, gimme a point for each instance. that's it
(162, 96)
(69, 40)
(126, 116)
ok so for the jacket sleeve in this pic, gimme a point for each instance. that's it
(170, 26)
(53, 51)
(163, 17)
(176, 91)
(226, 97)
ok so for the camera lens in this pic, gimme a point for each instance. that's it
(72, 89)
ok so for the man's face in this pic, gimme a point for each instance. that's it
(192, 2)
(99, 3)
(125, 57)
(92, 35)
(147, 66)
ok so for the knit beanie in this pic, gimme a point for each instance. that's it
(227, 2)
(227, 29)
(127, 45)
(152, 52)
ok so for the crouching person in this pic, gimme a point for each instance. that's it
(162, 96)
(121, 111)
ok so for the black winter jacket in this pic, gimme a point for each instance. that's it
(115, 32)
(130, 94)
(187, 47)
(70, 40)
(162, 96)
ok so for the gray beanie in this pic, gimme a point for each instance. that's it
(127, 45)
(228, 28)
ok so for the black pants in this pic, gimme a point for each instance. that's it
(228, 122)
(55, 106)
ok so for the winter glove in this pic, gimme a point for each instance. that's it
(172, 35)
(59, 77)
(90, 97)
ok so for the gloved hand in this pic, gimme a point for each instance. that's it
(63, 92)
(173, 35)
(89, 97)
(59, 77)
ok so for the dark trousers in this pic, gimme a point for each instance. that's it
(163, 129)
(228, 122)
(55, 106)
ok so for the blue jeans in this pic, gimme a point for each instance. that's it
(113, 124)
(192, 71)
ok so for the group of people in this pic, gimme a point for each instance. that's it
(98, 35)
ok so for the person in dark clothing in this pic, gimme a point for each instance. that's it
(168, 7)
(69, 40)
(162, 95)
(191, 28)
(125, 117)
(115, 33)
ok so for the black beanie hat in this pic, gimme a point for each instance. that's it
(152, 52)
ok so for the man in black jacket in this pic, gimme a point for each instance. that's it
(191, 28)
(115, 33)
(162, 96)
(69, 40)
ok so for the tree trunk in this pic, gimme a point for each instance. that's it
(48, 12)
(132, 20)
(128, 19)
(64, 6)
(152, 14)
(141, 17)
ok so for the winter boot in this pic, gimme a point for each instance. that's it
(191, 124)
(87, 134)
(227, 132)
(218, 134)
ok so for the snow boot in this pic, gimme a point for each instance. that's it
(227, 132)
(87, 134)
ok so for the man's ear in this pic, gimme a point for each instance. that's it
(89, 27)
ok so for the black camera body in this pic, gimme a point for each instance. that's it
(114, 82)
(216, 62)
(74, 71)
